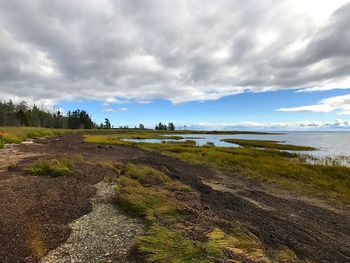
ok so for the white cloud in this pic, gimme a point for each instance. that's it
(120, 51)
(341, 104)
(114, 110)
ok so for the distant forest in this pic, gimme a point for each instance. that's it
(21, 114)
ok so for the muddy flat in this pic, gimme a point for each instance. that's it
(37, 211)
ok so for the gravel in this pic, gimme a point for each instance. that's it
(104, 235)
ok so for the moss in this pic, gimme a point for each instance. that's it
(51, 167)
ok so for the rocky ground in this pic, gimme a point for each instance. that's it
(67, 219)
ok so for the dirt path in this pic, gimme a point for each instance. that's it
(104, 235)
(50, 204)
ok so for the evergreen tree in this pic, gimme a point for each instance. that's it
(107, 124)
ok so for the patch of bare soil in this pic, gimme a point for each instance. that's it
(10, 155)
(36, 211)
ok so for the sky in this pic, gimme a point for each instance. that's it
(253, 64)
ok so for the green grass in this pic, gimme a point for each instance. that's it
(267, 144)
(148, 193)
(146, 175)
(285, 255)
(53, 167)
(20, 134)
(285, 169)
(280, 168)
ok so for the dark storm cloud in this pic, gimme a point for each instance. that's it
(176, 50)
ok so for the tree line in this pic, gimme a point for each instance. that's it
(21, 114)
(169, 127)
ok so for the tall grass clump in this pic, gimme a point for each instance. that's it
(148, 193)
(53, 167)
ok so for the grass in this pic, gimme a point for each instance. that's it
(164, 245)
(148, 193)
(20, 134)
(267, 144)
(285, 255)
(285, 169)
(53, 167)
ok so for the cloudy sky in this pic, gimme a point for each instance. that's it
(262, 64)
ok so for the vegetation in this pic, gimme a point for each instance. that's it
(267, 144)
(106, 125)
(170, 127)
(19, 134)
(22, 115)
(285, 255)
(285, 169)
(53, 167)
(79, 120)
(149, 193)
(118, 138)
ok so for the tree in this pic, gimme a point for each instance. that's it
(141, 126)
(171, 126)
(23, 115)
(79, 120)
(22, 118)
(107, 124)
(161, 126)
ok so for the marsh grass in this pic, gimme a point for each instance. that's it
(280, 168)
(285, 255)
(20, 134)
(285, 169)
(148, 193)
(62, 167)
(267, 144)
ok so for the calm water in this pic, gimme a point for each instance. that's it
(328, 143)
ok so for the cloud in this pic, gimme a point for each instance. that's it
(114, 110)
(341, 104)
(275, 126)
(116, 50)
